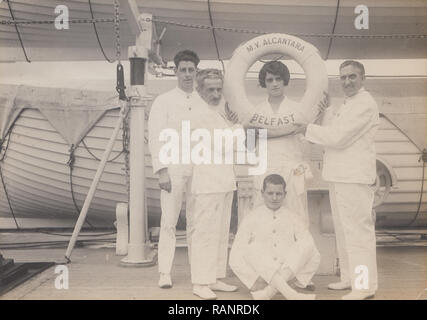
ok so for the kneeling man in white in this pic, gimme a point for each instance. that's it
(274, 245)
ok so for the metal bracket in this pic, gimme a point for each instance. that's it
(141, 26)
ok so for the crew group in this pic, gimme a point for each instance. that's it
(273, 250)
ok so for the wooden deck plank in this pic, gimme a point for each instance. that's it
(96, 274)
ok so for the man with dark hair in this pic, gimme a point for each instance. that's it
(168, 111)
(349, 164)
(285, 154)
(186, 55)
(273, 179)
(273, 246)
(355, 64)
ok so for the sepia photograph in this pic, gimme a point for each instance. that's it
(221, 150)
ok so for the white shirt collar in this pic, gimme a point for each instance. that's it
(281, 210)
(362, 89)
(183, 93)
(283, 103)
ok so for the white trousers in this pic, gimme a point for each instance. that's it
(351, 205)
(171, 204)
(303, 259)
(208, 228)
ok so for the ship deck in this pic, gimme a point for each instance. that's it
(95, 271)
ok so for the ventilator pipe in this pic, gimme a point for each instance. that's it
(92, 189)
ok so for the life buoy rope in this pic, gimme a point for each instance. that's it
(305, 54)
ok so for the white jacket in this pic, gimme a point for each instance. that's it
(271, 237)
(213, 178)
(348, 137)
(167, 112)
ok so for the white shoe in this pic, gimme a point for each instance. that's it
(221, 286)
(309, 286)
(358, 295)
(204, 292)
(265, 294)
(339, 285)
(165, 281)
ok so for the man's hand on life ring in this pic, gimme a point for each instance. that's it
(231, 116)
(164, 180)
(299, 170)
(322, 106)
(325, 103)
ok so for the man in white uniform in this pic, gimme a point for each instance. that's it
(273, 244)
(349, 165)
(285, 154)
(168, 111)
(212, 194)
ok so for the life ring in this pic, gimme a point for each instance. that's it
(307, 57)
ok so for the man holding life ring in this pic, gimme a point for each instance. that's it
(349, 164)
(211, 199)
(285, 154)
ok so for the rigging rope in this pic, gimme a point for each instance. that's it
(7, 136)
(333, 29)
(226, 29)
(96, 34)
(315, 35)
(423, 158)
(214, 36)
(70, 21)
(70, 164)
(125, 151)
(401, 131)
(7, 196)
(17, 31)
(98, 159)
